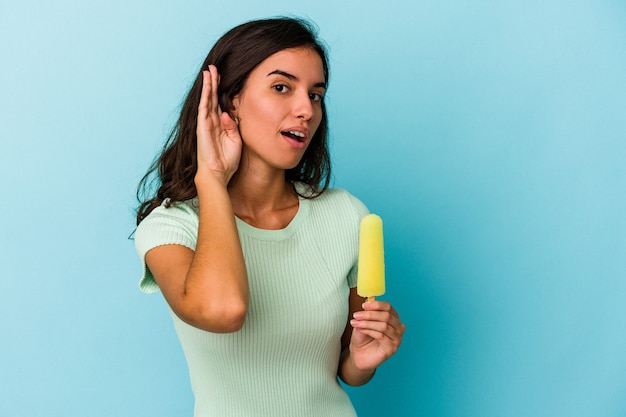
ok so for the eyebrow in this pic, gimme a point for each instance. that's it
(293, 77)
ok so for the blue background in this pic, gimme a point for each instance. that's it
(489, 135)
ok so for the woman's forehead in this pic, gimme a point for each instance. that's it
(301, 63)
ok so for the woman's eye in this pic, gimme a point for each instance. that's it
(316, 97)
(281, 88)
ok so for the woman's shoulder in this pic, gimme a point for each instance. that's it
(173, 209)
(341, 194)
(170, 215)
(339, 200)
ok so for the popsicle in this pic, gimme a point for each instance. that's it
(371, 264)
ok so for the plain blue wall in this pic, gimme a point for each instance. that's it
(490, 135)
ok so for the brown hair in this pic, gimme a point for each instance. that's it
(235, 55)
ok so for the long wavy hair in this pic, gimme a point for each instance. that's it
(235, 55)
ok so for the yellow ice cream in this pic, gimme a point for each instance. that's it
(371, 277)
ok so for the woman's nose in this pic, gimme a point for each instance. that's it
(303, 107)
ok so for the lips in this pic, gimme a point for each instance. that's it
(296, 136)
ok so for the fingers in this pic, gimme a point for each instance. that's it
(379, 311)
(377, 305)
(229, 124)
(385, 325)
(377, 334)
(214, 102)
(203, 106)
(209, 102)
(378, 320)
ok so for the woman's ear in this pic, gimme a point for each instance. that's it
(235, 102)
(234, 113)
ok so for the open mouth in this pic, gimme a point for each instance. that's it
(295, 135)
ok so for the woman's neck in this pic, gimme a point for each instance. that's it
(263, 199)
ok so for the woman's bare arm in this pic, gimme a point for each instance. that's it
(208, 288)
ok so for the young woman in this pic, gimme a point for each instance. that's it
(254, 254)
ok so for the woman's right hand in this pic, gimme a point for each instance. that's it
(219, 141)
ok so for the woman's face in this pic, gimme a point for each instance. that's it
(280, 107)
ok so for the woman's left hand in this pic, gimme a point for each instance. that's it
(376, 336)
